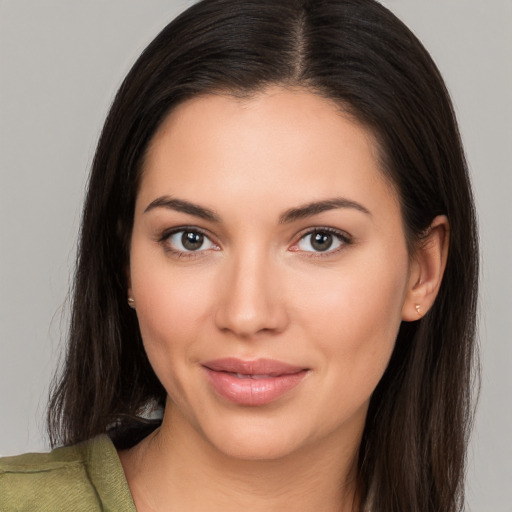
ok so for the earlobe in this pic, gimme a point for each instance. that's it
(129, 293)
(427, 269)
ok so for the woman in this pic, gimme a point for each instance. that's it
(278, 250)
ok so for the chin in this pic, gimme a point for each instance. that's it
(257, 439)
(265, 448)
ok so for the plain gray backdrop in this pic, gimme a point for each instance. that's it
(61, 62)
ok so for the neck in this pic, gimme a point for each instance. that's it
(176, 469)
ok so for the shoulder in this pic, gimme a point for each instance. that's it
(84, 477)
(47, 481)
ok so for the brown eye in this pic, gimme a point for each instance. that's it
(322, 240)
(192, 241)
(188, 240)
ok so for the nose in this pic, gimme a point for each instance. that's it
(252, 298)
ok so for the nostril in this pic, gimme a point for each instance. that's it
(250, 303)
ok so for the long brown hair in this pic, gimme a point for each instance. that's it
(360, 55)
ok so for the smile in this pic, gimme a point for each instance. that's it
(252, 383)
(245, 376)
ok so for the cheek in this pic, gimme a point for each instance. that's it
(354, 325)
(355, 313)
(172, 306)
(172, 309)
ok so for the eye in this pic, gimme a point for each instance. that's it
(188, 240)
(322, 240)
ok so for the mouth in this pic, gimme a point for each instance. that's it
(251, 376)
(252, 383)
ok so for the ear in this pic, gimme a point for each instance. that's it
(129, 292)
(128, 278)
(427, 269)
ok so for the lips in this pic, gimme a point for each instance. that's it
(252, 383)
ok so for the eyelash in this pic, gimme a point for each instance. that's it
(166, 235)
(342, 237)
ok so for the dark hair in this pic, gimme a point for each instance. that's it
(358, 54)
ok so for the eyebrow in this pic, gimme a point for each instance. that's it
(180, 205)
(317, 207)
(291, 215)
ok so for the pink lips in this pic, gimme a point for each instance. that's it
(252, 383)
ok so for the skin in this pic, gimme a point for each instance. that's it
(258, 289)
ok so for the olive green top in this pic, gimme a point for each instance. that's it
(82, 478)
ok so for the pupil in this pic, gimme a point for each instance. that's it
(321, 241)
(192, 241)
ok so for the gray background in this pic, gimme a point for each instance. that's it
(61, 62)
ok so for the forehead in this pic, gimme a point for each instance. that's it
(279, 145)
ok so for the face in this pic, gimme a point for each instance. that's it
(269, 270)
